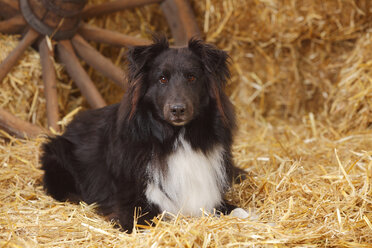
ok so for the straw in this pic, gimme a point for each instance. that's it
(301, 85)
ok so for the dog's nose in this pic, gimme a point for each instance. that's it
(178, 109)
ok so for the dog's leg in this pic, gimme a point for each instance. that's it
(129, 209)
(126, 218)
(58, 181)
(226, 208)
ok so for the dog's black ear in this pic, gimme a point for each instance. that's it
(139, 56)
(215, 61)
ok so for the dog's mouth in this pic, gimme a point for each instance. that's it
(178, 122)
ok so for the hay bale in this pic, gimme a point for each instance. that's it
(21, 91)
(287, 54)
(350, 104)
(302, 90)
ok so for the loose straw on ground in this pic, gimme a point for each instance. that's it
(301, 85)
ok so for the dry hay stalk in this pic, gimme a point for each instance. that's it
(309, 172)
(351, 99)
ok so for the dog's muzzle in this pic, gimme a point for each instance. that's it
(178, 114)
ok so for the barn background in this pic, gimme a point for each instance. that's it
(302, 87)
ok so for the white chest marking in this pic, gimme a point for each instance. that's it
(193, 181)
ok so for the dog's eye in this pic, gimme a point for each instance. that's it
(163, 79)
(191, 78)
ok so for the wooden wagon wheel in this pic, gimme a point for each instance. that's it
(62, 21)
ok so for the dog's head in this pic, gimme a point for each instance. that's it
(178, 82)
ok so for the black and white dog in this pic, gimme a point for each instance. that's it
(165, 147)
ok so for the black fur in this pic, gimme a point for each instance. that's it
(103, 155)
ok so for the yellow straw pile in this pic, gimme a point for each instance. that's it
(302, 87)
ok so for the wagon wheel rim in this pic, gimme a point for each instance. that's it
(73, 44)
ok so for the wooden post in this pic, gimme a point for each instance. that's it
(13, 57)
(97, 60)
(79, 75)
(50, 84)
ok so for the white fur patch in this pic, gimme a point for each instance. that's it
(193, 181)
(239, 213)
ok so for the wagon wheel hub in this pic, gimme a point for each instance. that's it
(59, 19)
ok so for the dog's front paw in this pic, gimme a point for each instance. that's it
(239, 213)
(244, 214)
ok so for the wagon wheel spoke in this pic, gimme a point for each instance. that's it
(79, 75)
(9, 8)
(11, 3)
(96, 60)
(181, 20)
(114, 6)
(13, 57)
(13, 25)
(50, 84)
(19, 128)
(101, 35)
